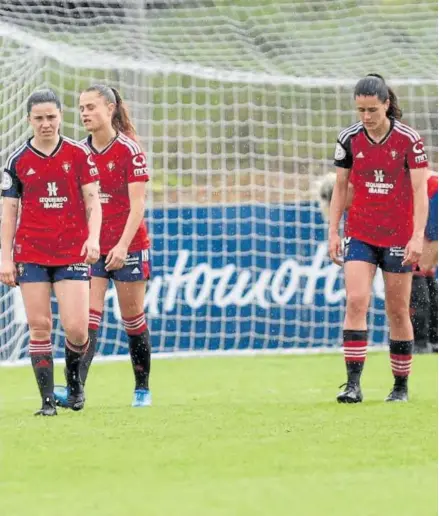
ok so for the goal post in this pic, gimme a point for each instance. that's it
(238, 105)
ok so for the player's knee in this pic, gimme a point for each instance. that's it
(357, 304)
(398, 313)
(76, 334)
(40, 328)
(131, 307)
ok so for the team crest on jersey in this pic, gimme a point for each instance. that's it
(111, 166)
(394, 154)
(6, 181)
(340, 152)
(66, 167)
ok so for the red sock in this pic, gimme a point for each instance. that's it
(135, 325)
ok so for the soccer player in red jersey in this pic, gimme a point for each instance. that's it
(54, 178)
(124, 238)
(423, 300)
(387, 165)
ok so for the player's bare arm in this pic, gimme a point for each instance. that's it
(413, 250)
(93, 211)
(336, 209)
(8, 227)
(117, 256)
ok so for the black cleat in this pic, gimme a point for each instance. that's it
(398, 394)
(48, 408)
(351, 394)
(76, 398)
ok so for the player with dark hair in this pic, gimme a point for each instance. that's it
(424, 295)
(124, 238)
(55, 180)
(386, 163)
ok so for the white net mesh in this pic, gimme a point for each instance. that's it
(238, 105)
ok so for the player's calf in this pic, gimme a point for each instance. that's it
(420, 313)
(74, 354)
(42, 363)
(140, 352)
(95, 318)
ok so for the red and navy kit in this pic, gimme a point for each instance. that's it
(122, 162)
(382, 207)
(136, 268)
(53, 226)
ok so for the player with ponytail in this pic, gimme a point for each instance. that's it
(386, 163)
(124, 237)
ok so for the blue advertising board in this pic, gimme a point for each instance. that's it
(234, 277)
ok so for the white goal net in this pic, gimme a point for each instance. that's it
(238, 104)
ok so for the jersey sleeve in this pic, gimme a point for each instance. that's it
(343, 153)
(87, 169)
(416, 156)
(11, 184)
(137, 168)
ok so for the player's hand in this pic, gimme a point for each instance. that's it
(335, 248)
(413, 251)
(91, 250)
(8, 273)
(116, 258)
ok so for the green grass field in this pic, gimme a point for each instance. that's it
(226, 436)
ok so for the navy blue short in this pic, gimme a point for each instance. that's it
(136, 268)
(389, 259)
(34, 273)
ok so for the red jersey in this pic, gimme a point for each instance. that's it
(53, 226)
(120, 163)
(381, 213)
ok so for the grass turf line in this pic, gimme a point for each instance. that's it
(226, 436)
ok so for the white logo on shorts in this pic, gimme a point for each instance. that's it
(346, 242)
(397, 251)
